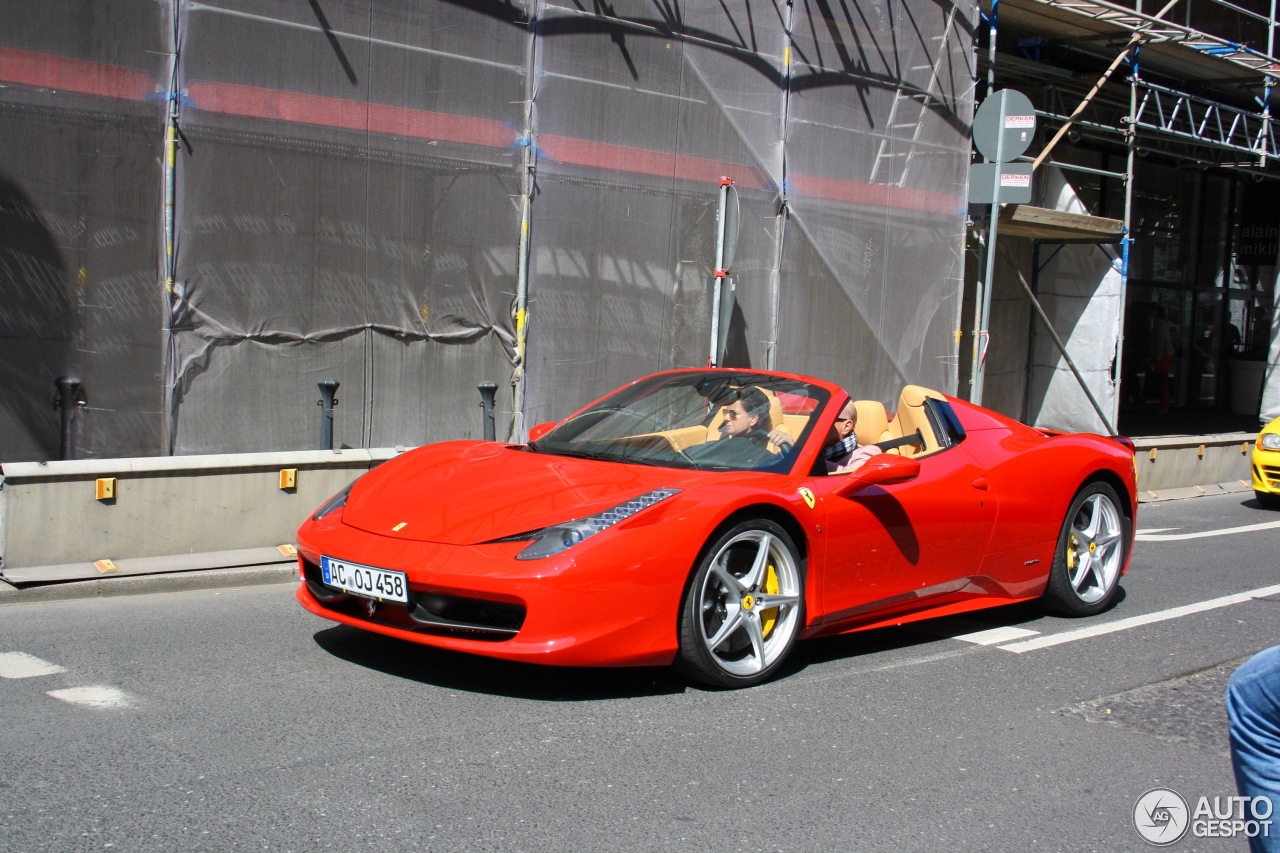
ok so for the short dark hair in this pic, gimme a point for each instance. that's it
(756, 402)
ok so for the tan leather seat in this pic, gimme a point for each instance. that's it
(794, 425)
(910, 417)
(873, 422)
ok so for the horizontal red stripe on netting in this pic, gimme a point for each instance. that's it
(60, 73)
(279, 105)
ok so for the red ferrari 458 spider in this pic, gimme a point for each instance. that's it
(690, 518)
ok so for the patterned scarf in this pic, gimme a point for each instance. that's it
(841, 448)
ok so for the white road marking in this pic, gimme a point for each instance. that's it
(1158, 534)
(968, 630)
(102, 696)
(23, 665)
(1138, 621)
(995, 636)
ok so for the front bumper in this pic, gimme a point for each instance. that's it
(1266, 471)
(598, 604)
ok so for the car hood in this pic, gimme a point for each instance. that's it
(465, 492)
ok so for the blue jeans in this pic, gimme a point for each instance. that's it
(1253, 714)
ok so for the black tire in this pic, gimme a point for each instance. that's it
(743, 607)
(1092, 548)
(1266, 500)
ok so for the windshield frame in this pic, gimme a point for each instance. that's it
(675, 420)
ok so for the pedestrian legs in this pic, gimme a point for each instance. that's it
(1253, 714)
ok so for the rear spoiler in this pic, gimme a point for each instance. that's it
(1122, 440)
(1125, 441)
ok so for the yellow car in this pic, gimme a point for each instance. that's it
(1266, 466)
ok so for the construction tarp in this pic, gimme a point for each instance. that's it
(209, 208)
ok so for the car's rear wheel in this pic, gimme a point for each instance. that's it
(743, 607)
(1267, 500)
(1091, 552)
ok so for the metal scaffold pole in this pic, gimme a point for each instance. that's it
(1268, 85)
(170, 184)
(528, 175)
(982, 293)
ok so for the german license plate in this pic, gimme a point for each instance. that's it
(365, 580)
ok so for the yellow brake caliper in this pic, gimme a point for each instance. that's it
(769, 618)
(1071, 552)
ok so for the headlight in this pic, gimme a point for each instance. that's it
(1269, 441)
(552, 540)
(334, 503)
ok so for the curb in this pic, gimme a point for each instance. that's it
(144, 584)
(1183, 492)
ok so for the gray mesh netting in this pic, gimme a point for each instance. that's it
(413, 197)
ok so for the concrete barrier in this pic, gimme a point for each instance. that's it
(1186, 465)
(91, 518)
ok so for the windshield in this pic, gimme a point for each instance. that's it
(715, 420)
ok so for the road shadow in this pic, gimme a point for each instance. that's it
(38, 321)
(935, 631)
(457, 671)
(1023, 614)
(538, 682)
(1254, 503)
(851, 647)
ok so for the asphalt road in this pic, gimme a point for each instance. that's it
(231, 719)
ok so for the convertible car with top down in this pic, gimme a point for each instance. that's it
(653, 527)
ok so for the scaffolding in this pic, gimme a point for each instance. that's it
(1197, 86)
(1174, 115)
(1160, 29)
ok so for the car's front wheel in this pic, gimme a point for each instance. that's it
(743, 607)
(1267, 500)
(1091, 552)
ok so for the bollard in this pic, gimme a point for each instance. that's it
(68, 400)
(328, 388)
(487, 392)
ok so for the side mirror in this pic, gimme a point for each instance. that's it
(537, 431)
(883, 469)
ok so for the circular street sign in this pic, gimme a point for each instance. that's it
(1004, 125)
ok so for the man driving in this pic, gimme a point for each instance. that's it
(746, 416)
(744, 436)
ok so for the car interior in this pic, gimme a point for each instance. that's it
(922, 423)
(792, 424)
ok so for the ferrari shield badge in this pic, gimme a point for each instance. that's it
(808, 497)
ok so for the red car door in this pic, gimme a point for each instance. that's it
(893, 545)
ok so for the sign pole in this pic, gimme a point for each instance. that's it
(717, 274)
(982, 335)
(723, 290)
(1002, 130)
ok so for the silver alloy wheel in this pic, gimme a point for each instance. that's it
(1095, 548)
(748, 603)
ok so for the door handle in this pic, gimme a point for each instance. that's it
(981, 484)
